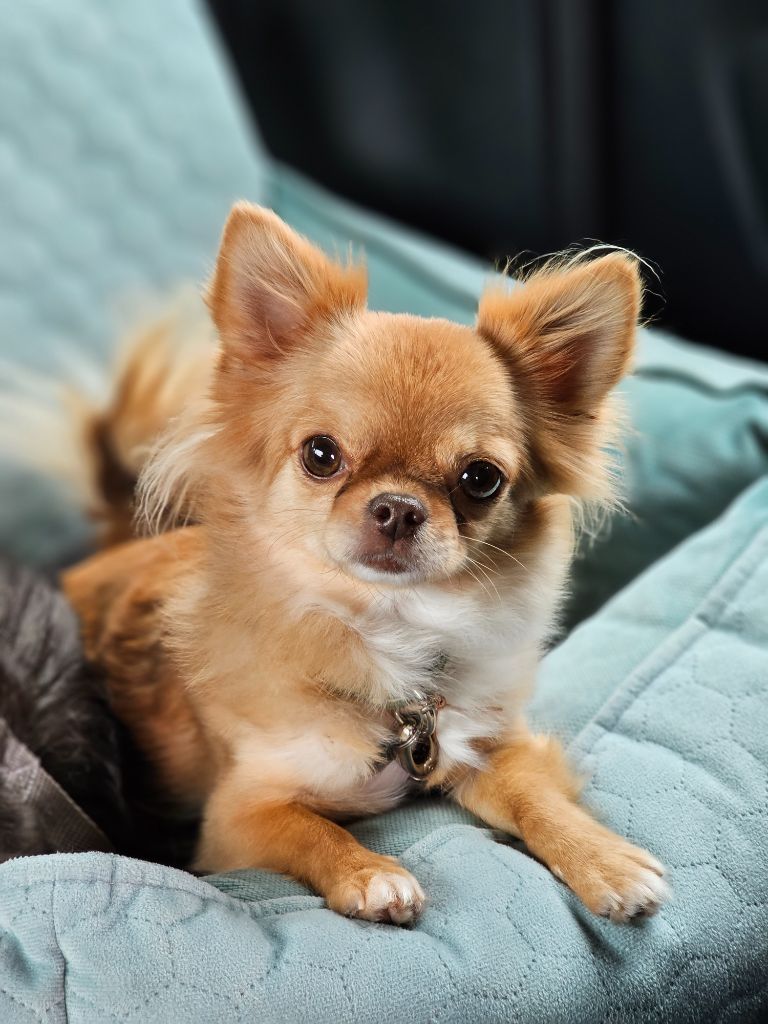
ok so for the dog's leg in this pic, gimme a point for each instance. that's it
(528, 790)
(287, 837)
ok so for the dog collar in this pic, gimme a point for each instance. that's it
(415, 746)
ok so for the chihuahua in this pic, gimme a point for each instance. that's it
(383, 514)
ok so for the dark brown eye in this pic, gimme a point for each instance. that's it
(321, 456)
(481, 480)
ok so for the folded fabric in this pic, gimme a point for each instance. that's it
(579, 675)
(61, 785)
(678, 756)
(662, 694)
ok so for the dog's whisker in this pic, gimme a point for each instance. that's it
(291, 533)
(501, 551)
(479, 582)
(488, 566)
(485, 574)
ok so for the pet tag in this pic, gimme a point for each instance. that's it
(416, 747)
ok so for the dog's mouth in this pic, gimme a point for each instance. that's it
(399, 562)
(393, 566)
(387, 561)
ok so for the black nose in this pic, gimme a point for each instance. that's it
(397, 515)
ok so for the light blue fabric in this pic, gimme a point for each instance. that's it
(678, 756)
(122, 145)
(602, 652)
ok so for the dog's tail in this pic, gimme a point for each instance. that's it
(94, 433)
(162, 368)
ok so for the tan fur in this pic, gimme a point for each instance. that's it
(528, 790)
(119, 596)
(291, 838)
(257, 655)
(164, 366)
(571, 345)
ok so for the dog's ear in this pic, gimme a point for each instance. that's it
(271, 286)
(566, 336)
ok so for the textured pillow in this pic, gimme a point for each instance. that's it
(122, 147)
(698, 436)
(579, 675)
(678, 756)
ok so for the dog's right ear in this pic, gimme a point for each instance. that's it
(271, 286)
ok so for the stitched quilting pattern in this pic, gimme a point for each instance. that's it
(133, 195)
(121, 149)
(679, 763)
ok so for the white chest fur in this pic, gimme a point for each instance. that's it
(480, 655)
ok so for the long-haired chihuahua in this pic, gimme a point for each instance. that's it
(383, 512)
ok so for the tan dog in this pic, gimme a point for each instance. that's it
(383, 510)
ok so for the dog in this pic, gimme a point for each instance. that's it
(380, 515)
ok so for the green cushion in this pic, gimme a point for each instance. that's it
(122, 147)
(676, 744)
(662, 694)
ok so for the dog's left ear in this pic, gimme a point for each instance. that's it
(567, 337)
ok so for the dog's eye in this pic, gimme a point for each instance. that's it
(321, 456)
(481, 480)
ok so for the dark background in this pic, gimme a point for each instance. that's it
(507, 126)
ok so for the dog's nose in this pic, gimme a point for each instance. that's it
(397, 515)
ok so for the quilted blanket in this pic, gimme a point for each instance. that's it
(678, 756)
(121, 147)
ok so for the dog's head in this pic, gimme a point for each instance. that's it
(390, 447)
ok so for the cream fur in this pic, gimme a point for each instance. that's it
(292, 619)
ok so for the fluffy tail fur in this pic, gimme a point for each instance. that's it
(95, 432)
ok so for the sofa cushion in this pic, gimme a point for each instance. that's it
(122, 147)
(677, 752)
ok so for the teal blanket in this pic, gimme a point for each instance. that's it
(121, 147)
(678, 759)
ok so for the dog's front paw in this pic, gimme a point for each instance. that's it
(381, 892)
(618, 880)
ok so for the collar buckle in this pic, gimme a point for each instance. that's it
(415, 746)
